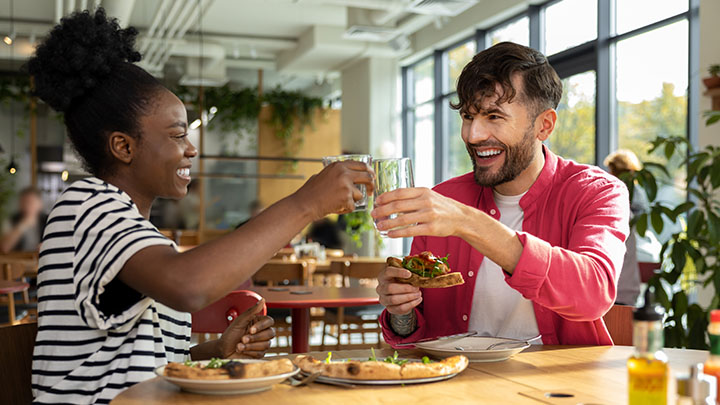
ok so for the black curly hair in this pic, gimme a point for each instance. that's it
(84, 69)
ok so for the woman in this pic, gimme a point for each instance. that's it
(114, 294)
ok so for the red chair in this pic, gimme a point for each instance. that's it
(216, 317)
(647, 270)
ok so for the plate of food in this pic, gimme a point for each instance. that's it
(227, 377)
(476, 348)
(428, 271)
(391, 370)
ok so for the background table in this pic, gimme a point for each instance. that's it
(595, 374)
(300, 304)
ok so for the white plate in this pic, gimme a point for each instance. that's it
(331, 380)
(227, 387)
(475, 348)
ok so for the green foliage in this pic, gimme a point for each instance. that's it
(693, 253)
(291, 111)
(357, 223)
(714, 70)
(7, 187)
(574, 134)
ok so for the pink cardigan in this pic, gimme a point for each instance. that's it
(574, 229)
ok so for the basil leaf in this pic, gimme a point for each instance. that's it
(426, 360)
(372, 356)
(328, 359)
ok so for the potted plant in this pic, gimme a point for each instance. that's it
(714, 80)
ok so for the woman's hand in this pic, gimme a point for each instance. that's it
(333, 190)
(248, 336)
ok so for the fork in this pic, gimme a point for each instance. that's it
(307, 380)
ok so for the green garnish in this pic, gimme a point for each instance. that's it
(372, 356)
(216, 363)
(394, 359)
(189, 363)
(426, 360)
(328, 359)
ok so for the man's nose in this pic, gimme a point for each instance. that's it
(479, 131)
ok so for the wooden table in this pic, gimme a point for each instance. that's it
(593, 374)
(300, 304)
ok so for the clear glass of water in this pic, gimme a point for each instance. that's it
(392, 174)
(360, 204)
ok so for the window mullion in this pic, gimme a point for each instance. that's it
(440, 75)
(537, 28)
(606, 137)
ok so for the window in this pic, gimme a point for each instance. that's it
(569, 23)
(574, 134)
(646, 54)
(517, 31)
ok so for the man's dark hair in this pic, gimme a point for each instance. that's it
(542, 88)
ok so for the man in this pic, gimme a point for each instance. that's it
(25, 229)
(538, 239)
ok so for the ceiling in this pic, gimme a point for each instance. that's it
(299, 44)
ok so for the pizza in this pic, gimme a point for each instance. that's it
(218, 369)
(427, 271)
(391, 368)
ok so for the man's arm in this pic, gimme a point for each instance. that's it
(404, 325)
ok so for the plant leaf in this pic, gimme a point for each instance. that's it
(682, 208)
(669, 150)
(641, 224)
(657, 221)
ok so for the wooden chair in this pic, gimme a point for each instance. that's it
(216, 317)
(9, 288)
(17, 343)
(281, 272)
(358, 320)
(647, 270)
(619, 323)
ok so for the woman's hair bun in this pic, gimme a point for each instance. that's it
(79, 53)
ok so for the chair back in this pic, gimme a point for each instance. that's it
(279, 271)
(647, 270)
(354, 269)
(216, 317)
(619, 323)
(17, 343)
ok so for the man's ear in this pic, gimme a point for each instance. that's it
(546, 121)
(122, 146)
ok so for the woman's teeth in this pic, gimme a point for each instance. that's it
(183, 172)
(489, 153)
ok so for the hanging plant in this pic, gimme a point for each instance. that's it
(16, 89)
(291, 108)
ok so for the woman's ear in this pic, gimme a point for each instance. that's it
(122, 146)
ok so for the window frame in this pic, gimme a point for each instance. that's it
(597, 55)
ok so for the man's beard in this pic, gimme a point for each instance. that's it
(517, 158)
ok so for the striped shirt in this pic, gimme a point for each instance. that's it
(97, 336)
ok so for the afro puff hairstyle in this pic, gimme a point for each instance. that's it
(84, 69)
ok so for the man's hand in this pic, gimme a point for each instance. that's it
(398, 298)
(424, 212)
(248, 336)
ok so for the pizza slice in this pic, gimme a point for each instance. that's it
(427, 271)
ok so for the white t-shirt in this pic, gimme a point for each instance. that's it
(96, 336)
(497, 309)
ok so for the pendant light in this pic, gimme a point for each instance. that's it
(12, 167)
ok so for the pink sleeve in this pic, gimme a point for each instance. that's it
(392, 338)
(578, 283)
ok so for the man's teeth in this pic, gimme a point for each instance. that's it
(488, 153)
(183, 172)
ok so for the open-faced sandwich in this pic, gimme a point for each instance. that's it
(427, 271)
(218, 369)
(390, 368)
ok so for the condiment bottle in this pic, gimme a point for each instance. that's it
(712, 365)
(648, 370)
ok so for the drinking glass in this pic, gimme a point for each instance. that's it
(360, 204)
(391, 174)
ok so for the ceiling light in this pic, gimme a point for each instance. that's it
(195, 124)
(8, 39)
(12, 167)
(65, 175)
(213, 110)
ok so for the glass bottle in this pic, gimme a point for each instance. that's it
(648, 370)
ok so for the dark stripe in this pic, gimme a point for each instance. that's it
(54, 235)
(172, 320)
(110, 372)
(58, 297)
(54, 357)
(59, 281)
(134, 353)
(66, 327)
(58, 218)
(69, 342)
(66, 249)
(56, 391)
(130, 340)
(55, 266)
(57, 312)
(68, 203)
(174, 336)
(176, 351)
(103, 401)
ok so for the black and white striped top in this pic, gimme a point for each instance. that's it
(97, 336)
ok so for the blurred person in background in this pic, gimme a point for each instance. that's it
(23, 232)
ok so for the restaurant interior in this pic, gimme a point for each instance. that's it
(271, 87)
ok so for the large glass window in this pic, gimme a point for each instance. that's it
(424, 81)
(424, 158)
(569, 23)
(574, 135)
(457, 58)
(632, 14)
(516, 31)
